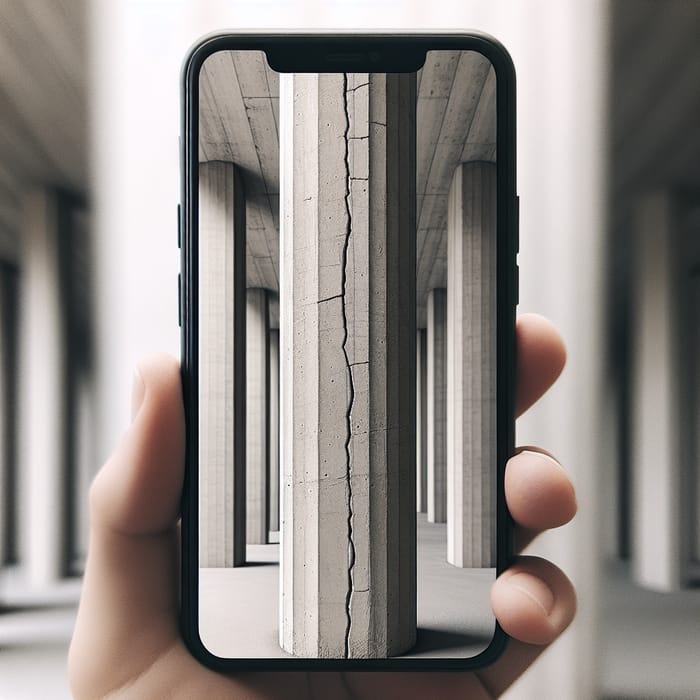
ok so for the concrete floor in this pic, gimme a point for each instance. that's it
(33, 652)
(454, 614)
(35, 630)
(650, 642)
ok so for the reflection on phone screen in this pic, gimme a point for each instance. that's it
(353, 216)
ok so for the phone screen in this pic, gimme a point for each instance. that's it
(347, 472)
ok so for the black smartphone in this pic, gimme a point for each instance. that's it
(348, 294)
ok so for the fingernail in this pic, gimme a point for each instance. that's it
(138, 391)
(535, 589)
(543, 455)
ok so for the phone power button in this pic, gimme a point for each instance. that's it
(179, 300)
(179, 226)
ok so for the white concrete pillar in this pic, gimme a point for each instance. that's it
(85, 464)
(8, 422)
(5, 408)
(222, 332)
(42, 471)
(664, 415)
(347, 336)
(273, 434)
(437, 405)
(256, 416)
(421, 423)
(471, 366)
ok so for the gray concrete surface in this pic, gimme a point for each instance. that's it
(222, 508)
(35, 630)
(471, 366)
(273, 433)
(437, 405)
(256, 416)
(421, 422)
(649, 640)
(456, 117)
(240, 612)
(348, 335)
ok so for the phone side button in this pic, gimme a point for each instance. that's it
(179, 300)
(179, 227)
(517, 285)
(517, 223)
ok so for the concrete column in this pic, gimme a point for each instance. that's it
(222, 333)
(6, 496)
(43, 433)
(256, 416)
(471, 366)
(664, 411)
(421, 423)
(437, 405)
(9, 467)
(347, 336)
(273, 435)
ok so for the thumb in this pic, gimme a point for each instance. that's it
(128, 606)
(138, 489)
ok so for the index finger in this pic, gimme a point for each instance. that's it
(540, 358)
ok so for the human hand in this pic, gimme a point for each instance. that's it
(127, 644)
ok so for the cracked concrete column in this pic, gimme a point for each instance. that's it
(221, 337)
(421, 423)
(256, 416)
(273, 434)
(347, 335)
(471, 366)
(437, 405)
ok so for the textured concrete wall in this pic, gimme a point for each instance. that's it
(471, 367)
(437, 405)
(221, 335)
(421, 422)
(347, 334)
(256, 417)
(273, 431)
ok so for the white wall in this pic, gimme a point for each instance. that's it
(557, 48)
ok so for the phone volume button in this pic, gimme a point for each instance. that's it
(179, 300)
(179, 227)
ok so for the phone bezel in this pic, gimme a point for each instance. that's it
(310, 44)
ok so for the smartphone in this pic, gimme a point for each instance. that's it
(348, 294)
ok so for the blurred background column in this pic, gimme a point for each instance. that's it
(55, 368)
(43, 473)
(8, 412)
(664, 351)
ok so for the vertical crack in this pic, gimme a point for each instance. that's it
(348, 473)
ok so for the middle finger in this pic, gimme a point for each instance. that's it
(539, 494)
